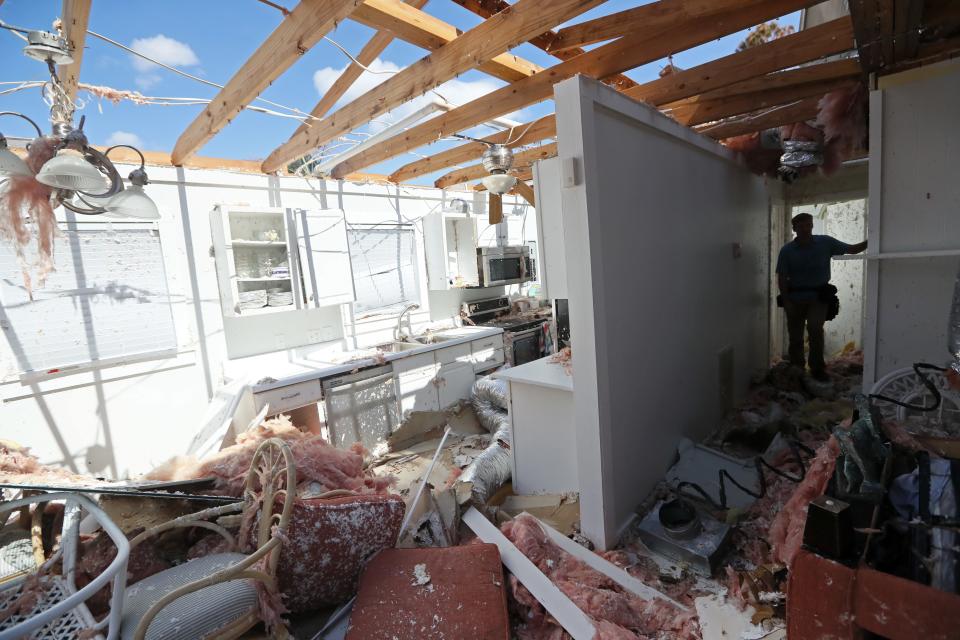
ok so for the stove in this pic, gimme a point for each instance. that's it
(525, 338)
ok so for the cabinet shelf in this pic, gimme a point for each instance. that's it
(258, 243)
(262, 279)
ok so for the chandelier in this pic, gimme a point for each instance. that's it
(80, 178)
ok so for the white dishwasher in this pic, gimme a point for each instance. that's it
(361, 407)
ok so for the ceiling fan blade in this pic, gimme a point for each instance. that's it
(494, 208)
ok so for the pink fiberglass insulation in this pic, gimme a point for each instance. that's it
(320, 466)
(26, 210)
(17, 464)
(786, 532)
(617, 613)
(842, 114)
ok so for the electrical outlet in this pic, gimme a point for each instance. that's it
(314, 336)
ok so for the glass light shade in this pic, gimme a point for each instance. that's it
(132, 202)
(499, 183)
(68, 170)
(12, 165)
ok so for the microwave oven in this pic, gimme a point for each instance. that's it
(498, 266)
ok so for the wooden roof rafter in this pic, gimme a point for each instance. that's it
(492, 37)
(408, 23)
(544, 41)
(75, 15)
(626, 53)
(299, 31)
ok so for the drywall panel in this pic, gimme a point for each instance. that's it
(914, 200)
(669, 294)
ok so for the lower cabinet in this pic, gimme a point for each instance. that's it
(417, 383)
(456, 380)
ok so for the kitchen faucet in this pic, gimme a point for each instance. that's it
(396, 332)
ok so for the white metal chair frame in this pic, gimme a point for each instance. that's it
(115, 571)
(273, 469)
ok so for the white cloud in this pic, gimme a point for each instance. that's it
(125, 137)
(162, 49)
(456, 91)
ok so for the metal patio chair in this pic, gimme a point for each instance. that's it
(60, 612)
(215, 597)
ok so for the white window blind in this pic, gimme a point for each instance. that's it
(384, 266)
(106, 302)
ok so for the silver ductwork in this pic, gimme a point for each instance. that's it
(492, 468)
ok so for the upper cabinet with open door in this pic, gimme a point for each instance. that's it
(324, 252)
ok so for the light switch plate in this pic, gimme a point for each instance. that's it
(568, 172)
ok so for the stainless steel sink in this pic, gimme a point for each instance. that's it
(398, 347)
(432, 338)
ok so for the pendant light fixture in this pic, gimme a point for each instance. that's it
(82, 179)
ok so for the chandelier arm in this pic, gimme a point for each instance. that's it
(20, 115)
(102, 162)
(143, 160)
(92, 211)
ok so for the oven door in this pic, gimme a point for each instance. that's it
(527, 346)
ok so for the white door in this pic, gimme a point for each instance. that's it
(455, 382)
(324, 257)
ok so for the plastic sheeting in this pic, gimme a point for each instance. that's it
(492, 468)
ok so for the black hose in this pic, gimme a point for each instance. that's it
(937, 398)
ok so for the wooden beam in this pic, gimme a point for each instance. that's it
(374, 47)
(299, 31)
(473, 172)
(628, 52)
(657, 15)
(410, 24)
(908, 17)
(787, 114)
(525, 191)
(540, 129)
(504, 30)
(73, 26)
(866, 26)
(713, 110)
(544, 41)
(817, 42)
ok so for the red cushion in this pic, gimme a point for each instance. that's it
(330, 542)
(464, 598)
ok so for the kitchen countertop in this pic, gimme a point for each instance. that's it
(542, 372)
(314, 362)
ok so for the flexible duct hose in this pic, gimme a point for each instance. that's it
(492, 468)
(953, 327)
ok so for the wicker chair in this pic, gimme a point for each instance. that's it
(214, 597)
(59, 611)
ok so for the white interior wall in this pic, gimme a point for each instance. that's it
(667, 239)
(914, 200)
(124, 420)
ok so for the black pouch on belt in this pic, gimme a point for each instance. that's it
(828, 294)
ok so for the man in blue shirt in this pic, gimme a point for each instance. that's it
(803, 270)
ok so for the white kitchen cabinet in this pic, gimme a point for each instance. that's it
(552, 260)
(455, 382)
(324, 253)
(416, 378)
(450, 244)
(487, 353)
(270, 259)
(253, 249)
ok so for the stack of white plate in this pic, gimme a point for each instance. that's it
(253, 299)
(279, 298)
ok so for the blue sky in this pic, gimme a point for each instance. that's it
(211, 39)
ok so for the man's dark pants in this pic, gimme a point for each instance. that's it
(811, 315)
